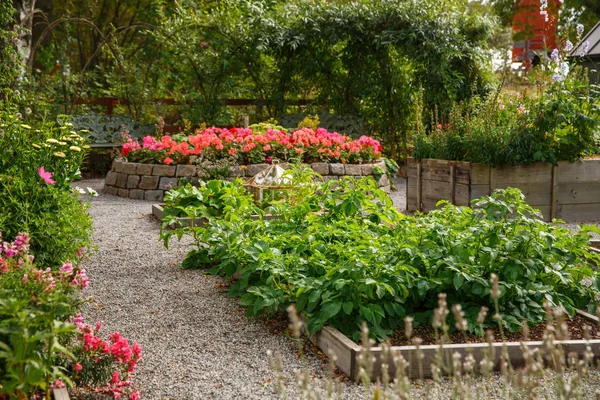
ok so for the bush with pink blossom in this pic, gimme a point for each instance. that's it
(41, 344)
(246, 146)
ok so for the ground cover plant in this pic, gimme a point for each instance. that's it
(345, 255)
(245, 146)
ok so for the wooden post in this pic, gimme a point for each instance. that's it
(419, 187)
(60, 394)
(452, 184)
(492, 179)
(554, 189)
(246, 121)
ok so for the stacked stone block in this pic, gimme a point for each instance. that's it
(151, 181)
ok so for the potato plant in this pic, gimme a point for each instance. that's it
(345, 255)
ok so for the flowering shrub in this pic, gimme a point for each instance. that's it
(246, 147)
(37, 167)
(106, 365)
(35, 304)
(41, 344)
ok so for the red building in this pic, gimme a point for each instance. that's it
(534, 30)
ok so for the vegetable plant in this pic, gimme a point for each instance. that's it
(345, 255)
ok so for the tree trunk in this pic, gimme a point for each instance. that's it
(25, 10)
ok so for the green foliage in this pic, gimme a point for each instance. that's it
(10, 60)
(559, 124)
(34, 308)
(345, 255)
(51, 213)
(310, 121)
(213, 199)
(367, 64)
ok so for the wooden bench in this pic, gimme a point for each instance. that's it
(105, 130)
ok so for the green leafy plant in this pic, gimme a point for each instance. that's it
(345, 255)
(38, 164)
(213, 199)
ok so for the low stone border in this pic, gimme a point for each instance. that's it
(330, 340)
(150, 181)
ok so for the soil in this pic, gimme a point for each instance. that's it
(427, 333)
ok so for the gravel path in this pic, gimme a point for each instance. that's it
(197, 342)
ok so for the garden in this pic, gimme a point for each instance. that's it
(311, 200)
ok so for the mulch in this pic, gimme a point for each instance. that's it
(426, 333)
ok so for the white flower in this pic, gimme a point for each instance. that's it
(579, 30)
(568, 45)
(28, 110)
(79, 190)
(92, 192)
(586, 282)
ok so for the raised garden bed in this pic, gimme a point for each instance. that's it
(331, 341)
(151, 181)
(568, 191)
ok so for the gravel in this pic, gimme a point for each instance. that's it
(197, 343)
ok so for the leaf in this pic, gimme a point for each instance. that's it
(458, 281)
(348, 307)
(330, 310)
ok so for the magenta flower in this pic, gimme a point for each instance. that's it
(46, 176)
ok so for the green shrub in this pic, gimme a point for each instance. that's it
(37, 201)
(561, 123)
(345, 255)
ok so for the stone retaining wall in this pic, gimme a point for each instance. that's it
(150, 181)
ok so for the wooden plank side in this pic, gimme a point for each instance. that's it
(478, 350)
(480, 174)
(579, 212)
(462, 195)
(411, 172)
(331, 341)
(411, 203)
(535, 193)
(463, 173)
(579, 192)
(523, 174)
(436, 174)
(435, 190)
(579, 171)
(479, 190)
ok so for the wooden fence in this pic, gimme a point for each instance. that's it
(569, 191)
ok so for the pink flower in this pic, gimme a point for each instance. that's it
(232, 151)
(78, 367)
(46, 176)
(134, 396)
(168, 161)
(58, 384)
(115, 377)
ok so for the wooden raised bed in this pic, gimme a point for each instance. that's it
(329, 340)
(568, 191)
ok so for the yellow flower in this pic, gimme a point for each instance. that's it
(37, 146)
(85, 146)
(25, 126)
(60, 154)
(75, 148)
(51, 140)
(243, 167)
(62, 143)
